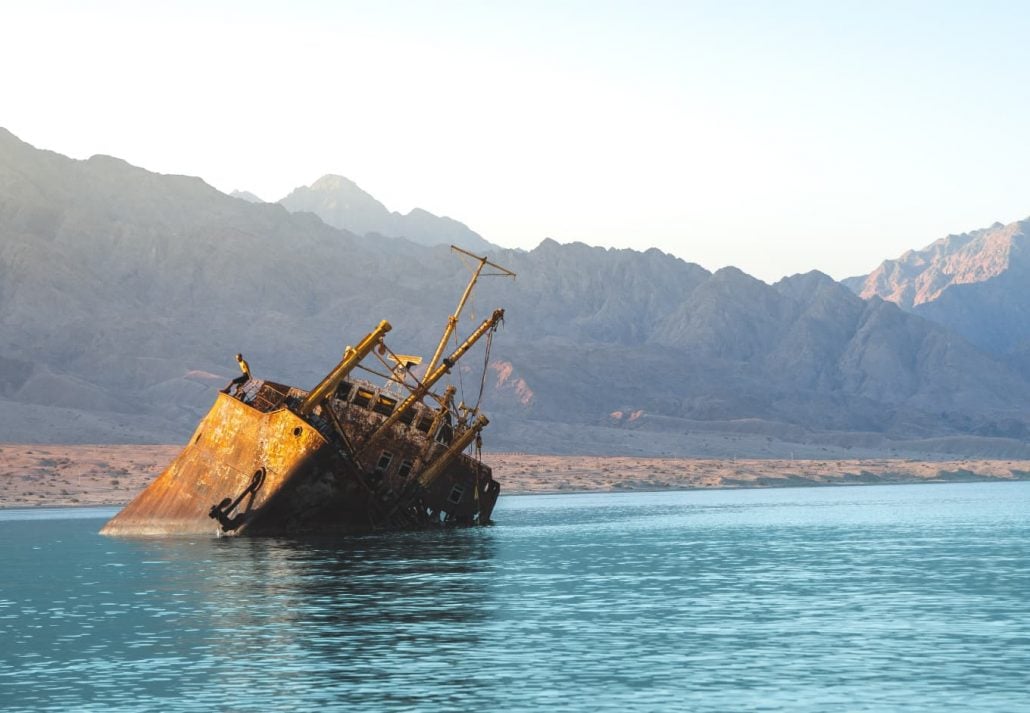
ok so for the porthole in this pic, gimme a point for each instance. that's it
(297, 431)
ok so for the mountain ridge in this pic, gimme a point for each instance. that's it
(119, 286)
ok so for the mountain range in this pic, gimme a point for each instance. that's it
(124, 294)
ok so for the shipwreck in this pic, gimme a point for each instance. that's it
(351, 455)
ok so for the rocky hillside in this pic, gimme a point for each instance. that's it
(124, 295)
(341, 203)
(977, 284)
(805, 353)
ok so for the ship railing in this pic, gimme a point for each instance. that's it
(265, 396)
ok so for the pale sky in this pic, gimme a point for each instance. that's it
(775, 136)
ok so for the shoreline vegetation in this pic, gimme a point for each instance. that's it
(49, 475)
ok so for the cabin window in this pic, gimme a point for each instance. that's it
(384, 462)
(456, 494)
(363, 398)
(425, 423)
(384, 405)
(343, 390)
(404, 469)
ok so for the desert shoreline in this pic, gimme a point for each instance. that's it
(48, 475)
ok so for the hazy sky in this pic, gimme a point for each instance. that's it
(775, 136)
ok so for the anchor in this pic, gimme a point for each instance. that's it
(223, 510)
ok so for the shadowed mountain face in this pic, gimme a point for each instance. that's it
(124, 295)
(977, 284)
(341, 203)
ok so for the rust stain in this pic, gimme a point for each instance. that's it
(232, 442)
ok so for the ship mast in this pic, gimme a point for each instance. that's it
(452, 320)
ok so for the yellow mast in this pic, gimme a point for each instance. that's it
(432, 377)
(452, 320)
(426, 478)
(350, 360)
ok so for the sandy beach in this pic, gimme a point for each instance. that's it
(34, 475)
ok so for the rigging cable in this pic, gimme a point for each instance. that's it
(486, 365)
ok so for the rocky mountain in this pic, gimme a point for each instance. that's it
(342, 203)
(125, 293)
(724, 347)
(246, 196)
(977, 284)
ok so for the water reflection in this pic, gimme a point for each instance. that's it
(377, 575)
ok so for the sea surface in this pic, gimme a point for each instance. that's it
(885, 598)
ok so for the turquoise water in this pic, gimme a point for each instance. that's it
(908, 598)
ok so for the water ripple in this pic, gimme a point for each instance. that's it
(859, 599)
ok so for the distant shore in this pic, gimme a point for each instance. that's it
(37, 475)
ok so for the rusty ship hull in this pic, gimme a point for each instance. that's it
(291, 475)
(347, 456)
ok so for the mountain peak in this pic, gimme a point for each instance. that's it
(342, 203)
(246, 196)
(105, 160)
(921, 276)
(810, 278)
(334, 182)
(976, 283)
(733, 274)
